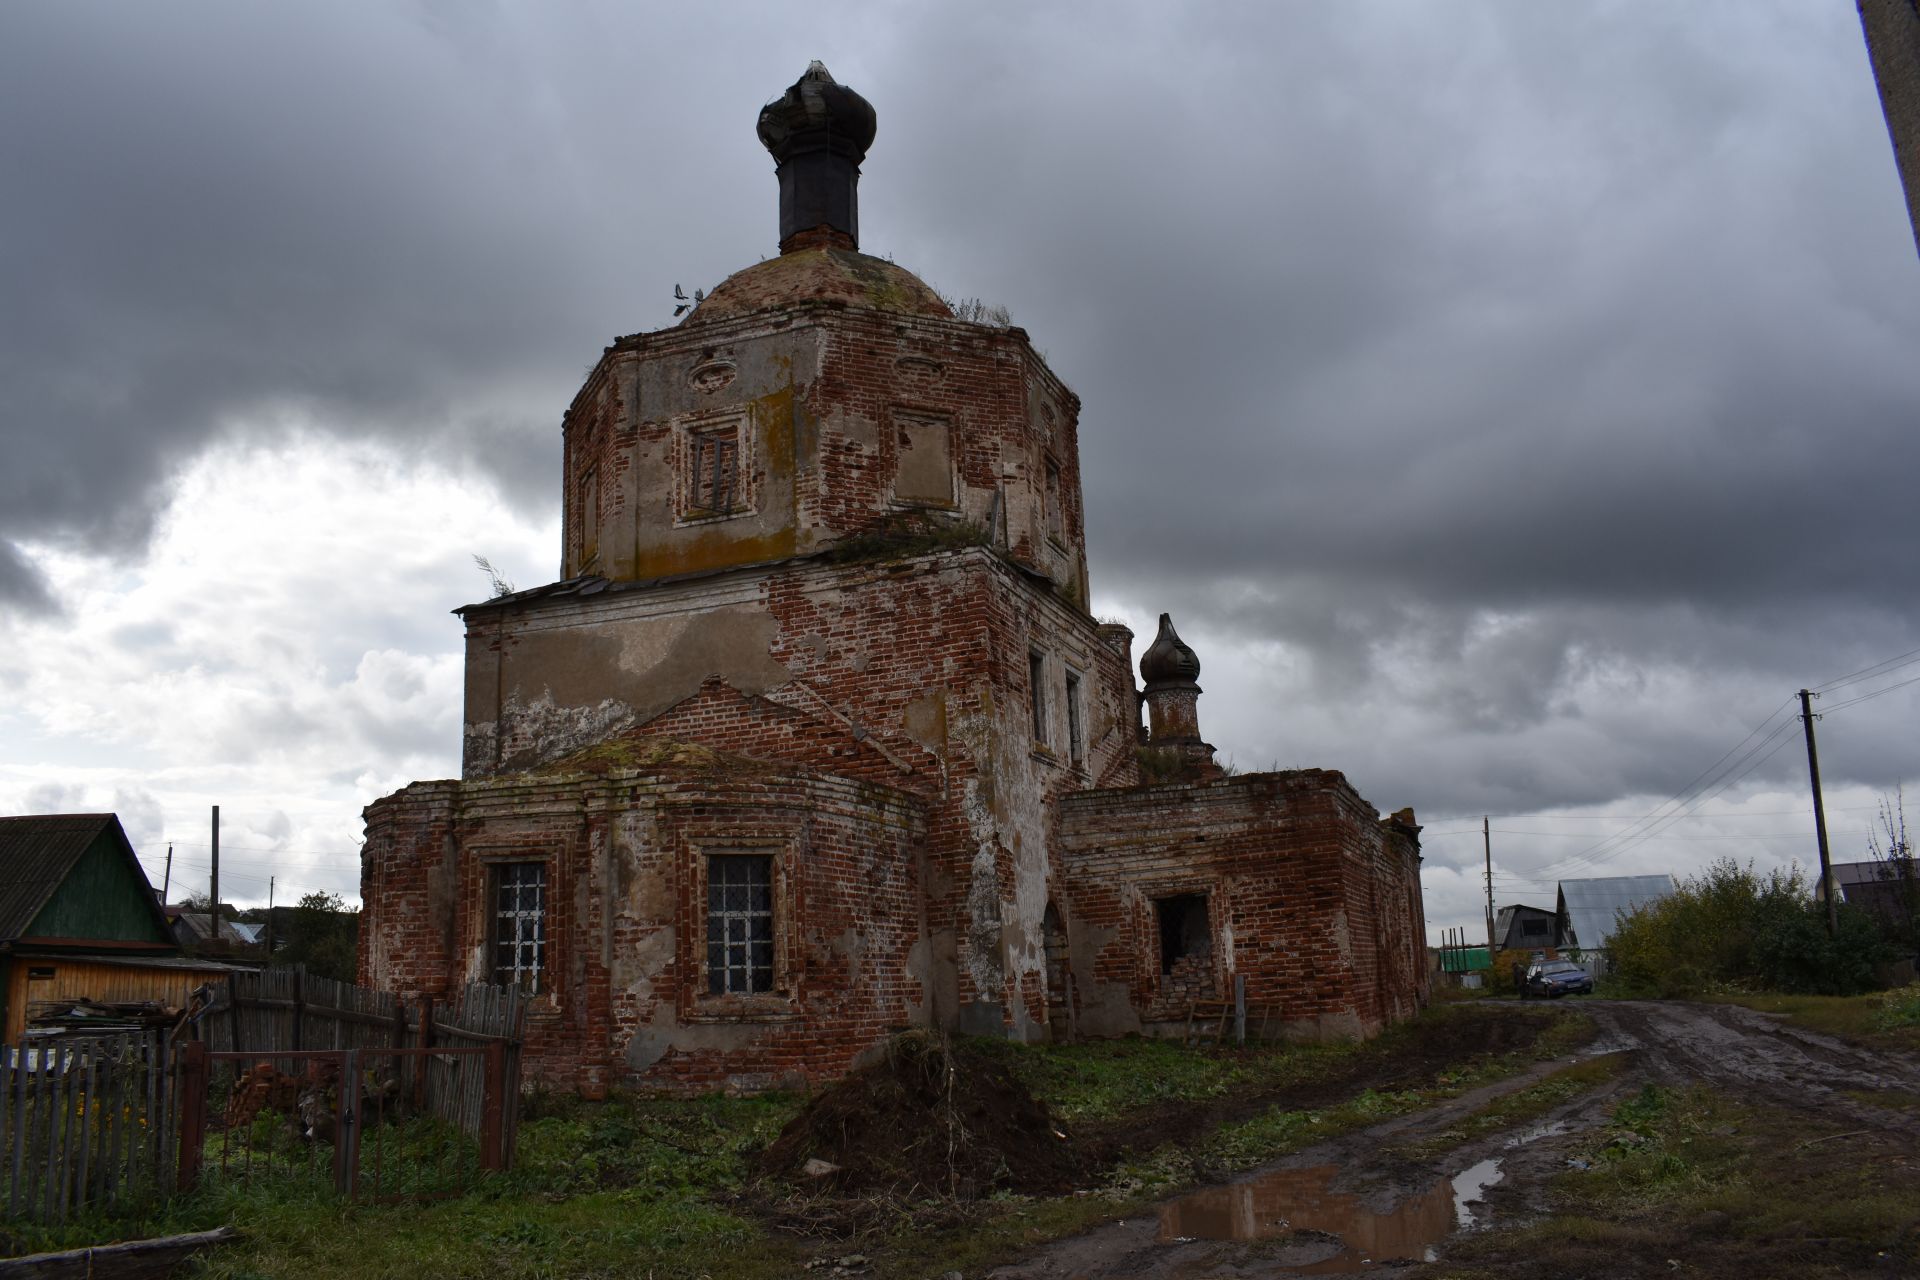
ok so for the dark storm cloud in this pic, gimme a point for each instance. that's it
(1487, 364)
(20, 586)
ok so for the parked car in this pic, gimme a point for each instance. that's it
(1556, 978)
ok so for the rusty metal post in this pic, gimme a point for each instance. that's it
(346, 1126)
(493, 1106)
(191, 1063)
(424, 1065)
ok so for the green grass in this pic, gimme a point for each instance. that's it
(1520, 1107)
(1721, 1186)
(653, 1186)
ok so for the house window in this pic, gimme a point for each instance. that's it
(1184, 935)
(1535, 929)
(1076, 733)
(713, 479)
(1037, 681)
(519, 924)
(739, 924)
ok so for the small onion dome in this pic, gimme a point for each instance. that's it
(1168, 663)
(817, 111)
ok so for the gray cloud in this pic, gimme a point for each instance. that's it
(1528, 387)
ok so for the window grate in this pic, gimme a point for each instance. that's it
(520, 924)
(739, 924)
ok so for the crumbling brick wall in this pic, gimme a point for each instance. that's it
(1312, 900)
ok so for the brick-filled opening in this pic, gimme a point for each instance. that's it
(1184, 934)
(1186, 947)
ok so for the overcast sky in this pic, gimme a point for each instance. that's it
(1513, 403)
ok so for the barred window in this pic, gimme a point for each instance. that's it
(1076, 730)
(520, 924)
(739, 923)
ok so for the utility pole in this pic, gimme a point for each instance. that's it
(166, 882)
(214, 911)
(269, 919)
(1486, 839)
(1819, 816)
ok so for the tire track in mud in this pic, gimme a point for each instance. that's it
(1751, 1053)
(1675, 1044)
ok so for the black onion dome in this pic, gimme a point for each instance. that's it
(1168, 662)
(818, 131)
(817, 111)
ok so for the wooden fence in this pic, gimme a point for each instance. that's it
(292, 1010)
(94, 1121)
(86, 1122)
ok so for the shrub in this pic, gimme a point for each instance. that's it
(1731, 927)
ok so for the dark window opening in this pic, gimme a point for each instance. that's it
(739, 924)
(1055, 521)
(1037, 679)
(1076, 733)
(1536, 928)
(520, 924)
(715, 488)
(1184, 934)
(40, 973)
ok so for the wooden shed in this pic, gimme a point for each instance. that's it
(78, 920)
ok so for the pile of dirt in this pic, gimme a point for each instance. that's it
(933, 1117)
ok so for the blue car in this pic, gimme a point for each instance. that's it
(1556, 978)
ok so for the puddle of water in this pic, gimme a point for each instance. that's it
(1301, 1200)
(1467, 1186)
(1538, 1132)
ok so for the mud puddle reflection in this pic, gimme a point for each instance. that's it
(1300, 1204)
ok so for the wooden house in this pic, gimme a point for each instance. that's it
(78, 920)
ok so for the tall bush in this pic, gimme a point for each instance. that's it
(1730, 926)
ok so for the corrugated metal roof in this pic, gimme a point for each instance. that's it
(1590, 906)
(36, 853)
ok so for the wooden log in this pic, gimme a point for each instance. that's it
(128, 1260)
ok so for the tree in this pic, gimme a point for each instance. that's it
(1731, 927)
(1898, 906)
(324, 936)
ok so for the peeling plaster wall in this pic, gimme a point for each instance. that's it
(829, 401)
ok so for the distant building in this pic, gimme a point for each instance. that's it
(1588, 909)
(78, 920)
(1892, 29)
(1878, 888)
(1524, 928)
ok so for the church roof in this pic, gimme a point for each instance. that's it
(820, 275)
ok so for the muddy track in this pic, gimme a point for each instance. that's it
(1670, 1043)
(1754, 1054)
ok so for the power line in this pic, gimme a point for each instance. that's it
(1868, 697)
(1878, 668)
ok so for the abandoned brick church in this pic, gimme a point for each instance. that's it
(816, 739)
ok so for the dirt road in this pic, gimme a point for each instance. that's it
(1354, 1205)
